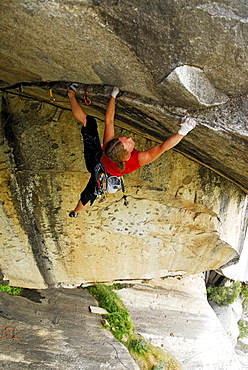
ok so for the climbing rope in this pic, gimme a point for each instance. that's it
(8, 332)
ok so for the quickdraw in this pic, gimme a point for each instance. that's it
(100, 181)
(86, 98)
(52, 98)
(123, 191)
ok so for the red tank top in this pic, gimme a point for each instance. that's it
(131, 165)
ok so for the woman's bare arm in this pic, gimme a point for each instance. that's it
(187, 124)
(109, 131)
(153, 153)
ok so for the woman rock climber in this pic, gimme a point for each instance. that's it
(118, 155)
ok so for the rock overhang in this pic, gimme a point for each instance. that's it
(170, 68)
(179, 212)
(219, 141)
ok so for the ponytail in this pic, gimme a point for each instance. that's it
(121, 166)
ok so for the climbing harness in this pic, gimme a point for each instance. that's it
(100, 181)
(106, 183)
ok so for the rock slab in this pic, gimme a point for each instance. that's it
(54, 329)
(175, 316)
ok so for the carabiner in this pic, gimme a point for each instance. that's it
(52, 98)
(86, 98)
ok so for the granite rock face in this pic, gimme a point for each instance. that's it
(138, 46)
(191, 218)
(190, 88)
(174, 314)
(187, 211)
(182, 217)
(53, 329)
(118, 42)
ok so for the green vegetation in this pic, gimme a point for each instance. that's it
(147, 356)
(118, 319)
(137, 345)
(243, 325)
(224, 295)
(244, 293)
(11, 290)
(155, 359)
(243, 329)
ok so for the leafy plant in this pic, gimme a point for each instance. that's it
(224, 295)
(244, 295)
(137, 345)
(164, 361)
(244, 291)
(243, 329)
(11, 290)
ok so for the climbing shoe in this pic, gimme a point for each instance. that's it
(73, 214)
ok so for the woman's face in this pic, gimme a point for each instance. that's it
(128, 143)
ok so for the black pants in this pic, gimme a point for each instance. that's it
(92, 155)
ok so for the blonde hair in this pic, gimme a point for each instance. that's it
(116, 152)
